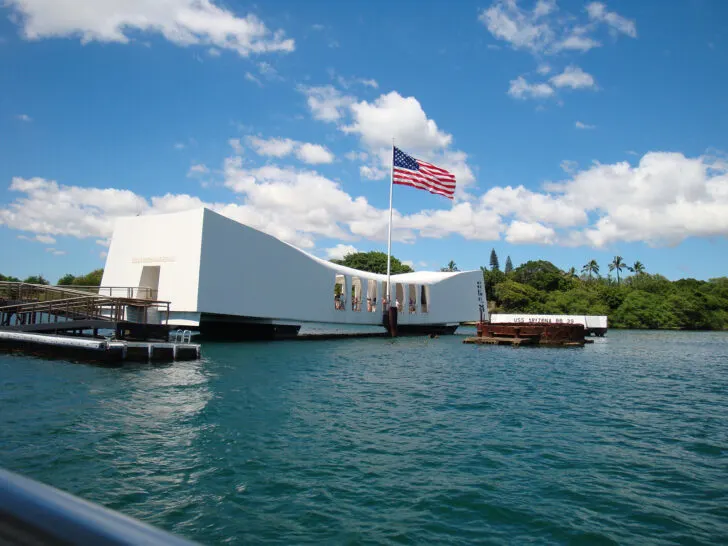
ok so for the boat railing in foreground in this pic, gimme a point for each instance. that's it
(33, 513)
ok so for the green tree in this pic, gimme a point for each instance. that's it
(36, 279)
(451, 266)
(617, 265)
(494, 265)
(637, 268)
(66, 280)
(540, 274)
(514, 296)
(590, 268)
(644, 310)
(509, 265)
(374, 262)
(90, 279)
(9, 279)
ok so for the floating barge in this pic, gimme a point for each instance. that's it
(69, 322)
(96, 350)
(517, 334)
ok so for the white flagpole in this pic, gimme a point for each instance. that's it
(389, 237)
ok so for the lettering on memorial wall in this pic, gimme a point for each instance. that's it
(481, 298)
(153, 259)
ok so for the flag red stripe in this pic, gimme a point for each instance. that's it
(434, 167)
(416, 175)
(448, 194)
(421, 180)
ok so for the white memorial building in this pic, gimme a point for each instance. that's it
(229, 280)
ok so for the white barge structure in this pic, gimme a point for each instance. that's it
(593, 324)
(231, 281)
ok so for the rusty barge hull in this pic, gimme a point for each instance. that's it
(541, 334)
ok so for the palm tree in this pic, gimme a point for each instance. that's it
(617, 265)
(571, 273)
(451, 266)
(638, 267)
(591, 268)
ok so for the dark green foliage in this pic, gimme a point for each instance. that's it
(541, 275)
(9, 279)
(66, 280)
(36, 279)
(515, 296)
(641, 300)
(451, 266)
(494, 265)
(90, 279)
(509, 265)
(374, 262)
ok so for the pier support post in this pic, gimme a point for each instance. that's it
(392, 322)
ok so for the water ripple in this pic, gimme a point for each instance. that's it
(391, 442)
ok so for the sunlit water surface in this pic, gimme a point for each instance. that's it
(415, 441)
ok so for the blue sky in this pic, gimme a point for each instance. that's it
(577, 130)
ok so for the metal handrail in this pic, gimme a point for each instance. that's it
(33, 513)
(47, 300)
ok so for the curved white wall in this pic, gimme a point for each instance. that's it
(212, 264)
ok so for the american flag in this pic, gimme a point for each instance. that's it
(409, 171)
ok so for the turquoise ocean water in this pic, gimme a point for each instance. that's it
(373, 441)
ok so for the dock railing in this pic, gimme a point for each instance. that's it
(23, 304)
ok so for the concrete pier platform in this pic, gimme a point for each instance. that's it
(96, 350)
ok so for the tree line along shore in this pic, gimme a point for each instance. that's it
(629, 295)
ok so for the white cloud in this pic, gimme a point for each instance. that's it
(372, 173)
(236, 145)
(666, 198)
(24, 117)
(530, 233)
(197, 169)
(575, 78)
(598, 12)
(339, 251)
(45, 239)
(182, 22)
(269, 72)
(521, 28)
(355, 155)
(663, 199)
(543, 30)
(314, 154)
(213, 52)
(576, 42)
(349, 82)
(523, 204)
(253, 78)
(568, 166)
(326, 102)
(307, 152)
(394, 116)
(55, 251)
(273, 147)
(391, 116)
(521, 89)
(179, 146)
(582, 125)
(543, 69)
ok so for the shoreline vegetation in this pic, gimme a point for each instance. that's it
(628, 295)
